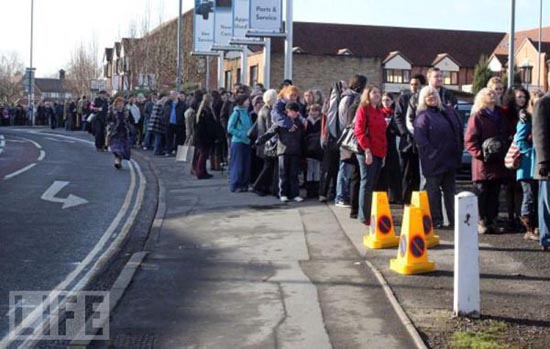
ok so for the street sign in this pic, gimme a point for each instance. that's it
(28, 81)
(98, 85)
(203, 26)
(266, 16)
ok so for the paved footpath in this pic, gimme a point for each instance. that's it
(230, 270)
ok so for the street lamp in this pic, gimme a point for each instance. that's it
(179, 48)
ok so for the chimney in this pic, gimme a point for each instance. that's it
(61, 74)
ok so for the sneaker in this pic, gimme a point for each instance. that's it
(284, 199)
(482, 228)
(298, 199)
(322, 198)
(341, 203)
(531, 236)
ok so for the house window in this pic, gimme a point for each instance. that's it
(450, 77)
(239, 76)
(253, 76)
(397, 76)
(228, 79)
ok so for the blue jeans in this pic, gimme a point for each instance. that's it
(435, 185)
(528, 202)
(159, 146)
(289, 167)
(544, 212)
(342, 182)
(369, 178)
(239, 166)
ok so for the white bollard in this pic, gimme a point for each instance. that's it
(466, 270)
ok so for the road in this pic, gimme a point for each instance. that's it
(63, 209)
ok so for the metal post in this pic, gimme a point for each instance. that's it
(267, 63)
(540, 39)
(288, 41)
(207, 84)
(31, 80)
(220, 71)
(244, 65)
(466, 269)
(179, 48)
(511, 50)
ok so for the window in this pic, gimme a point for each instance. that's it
(228, 80)
(253, 76)
(239, 76)
(397, 76)
(450, 77)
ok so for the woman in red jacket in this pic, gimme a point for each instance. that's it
(370, 130)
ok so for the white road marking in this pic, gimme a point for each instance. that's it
(60, 140)
(2, 143)
(1, 136)
(36, 314)
(42, 155)
(70, 201)
(16, 173)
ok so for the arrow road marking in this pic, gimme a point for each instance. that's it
(70, 201)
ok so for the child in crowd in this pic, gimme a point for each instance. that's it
(313, 150)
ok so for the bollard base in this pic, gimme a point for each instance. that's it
(370, 241)
(409, 269)
(471, 315)
(432, 241)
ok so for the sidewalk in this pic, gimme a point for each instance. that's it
(234, 270)
(238, 270)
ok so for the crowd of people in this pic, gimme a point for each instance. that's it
(344, 146)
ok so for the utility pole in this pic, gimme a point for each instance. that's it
(511, 50)
(30, 72)
(179, 54)
(288, 41)
(540, 39)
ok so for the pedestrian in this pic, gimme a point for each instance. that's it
(524, 174)
(267, 181)
(408, 152)
(134, 119)
(205, 136)
(541, 142)
(438, 132)
(174, 116)
(313, 150)
(370, 130)
(100, 107)
(289, 151)
(157, 125)
(120, 137)
(486, 127)
(147, 112)
(495, 84)
(239, 163)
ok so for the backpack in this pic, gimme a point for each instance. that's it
(330, 126)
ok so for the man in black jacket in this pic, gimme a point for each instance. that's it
(174, 111)
(100, 107)
(410, 165)
(541, 141)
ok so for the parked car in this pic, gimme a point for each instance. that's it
(464, 110)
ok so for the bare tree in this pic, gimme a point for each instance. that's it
(11, 77)
(82, 69)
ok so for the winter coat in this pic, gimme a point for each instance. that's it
(289, 143)
(180, 112)
(524, 141)
(541, 134)
(190, 121)
(263, 123)
(206, 129)
(238, 125)
(370, 130)
(278, 114)
(157, 124)
(482, 126)
(312, 139)
(438, 135)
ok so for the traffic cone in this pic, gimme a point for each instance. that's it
(381, 232)
(420, 200)
(412, 254)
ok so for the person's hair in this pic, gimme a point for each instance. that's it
(358, 82)
(292, 106)
(196, 100)
(432, 70)
(509, 98)
(424, 92)
(288, 90)
(118, 99)
(315, 107)
(365, 96)
(479, 100)
(240, 99)
(420, 77)
(206, 103)
(318, 97)
(535, 95)
(270, 97)
(493, 82)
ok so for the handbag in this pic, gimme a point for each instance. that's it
(348, 140)
(493, 150)
(91, 117)
(185, 153)
(513, 157)
(270, 147)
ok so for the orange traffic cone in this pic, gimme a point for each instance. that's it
(381, 232)
(412, 254)
(420, 200)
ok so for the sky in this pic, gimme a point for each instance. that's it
(61, 26)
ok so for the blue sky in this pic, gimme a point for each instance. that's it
(62, 25)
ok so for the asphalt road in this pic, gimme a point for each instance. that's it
(45, 242)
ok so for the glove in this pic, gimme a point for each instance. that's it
(544, 169)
